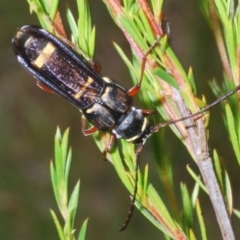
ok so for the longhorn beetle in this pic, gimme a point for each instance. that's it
(103, 102)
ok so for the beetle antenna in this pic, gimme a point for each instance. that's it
(161, 125)
(131, 209)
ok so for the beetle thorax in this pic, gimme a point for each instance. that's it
(133, 126)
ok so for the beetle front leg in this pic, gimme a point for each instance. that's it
(135, 89)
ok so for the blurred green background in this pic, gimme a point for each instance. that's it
(29, 118)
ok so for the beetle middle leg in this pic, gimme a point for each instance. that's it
(87, 131)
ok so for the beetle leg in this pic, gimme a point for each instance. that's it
(44, 87)
(87, 131)
(110, 145)
(135, 89)
(147, 112)
(95, 65)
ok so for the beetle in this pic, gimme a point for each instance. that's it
(104, 103)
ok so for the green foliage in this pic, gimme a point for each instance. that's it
(169, 89)
(201, 221)
(82, 31)
(67, 206)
